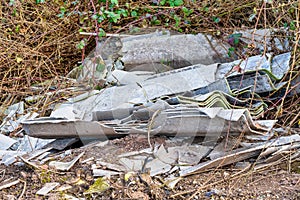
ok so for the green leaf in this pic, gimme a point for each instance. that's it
(100, 185)
(186, 11)
(62, 12)
(39, 1)
(101, 33)
(11, 2)
(15, 12)
(114, 2)
(61, 15)
(292, 25)
(94, 17)
(177, 20)
(81, 44)
(156, 22)
(17, 29)
(101, 18)
(134, 13)
(62, 9)
(235, 38)
(123, 12)
(162, 2)
(178, 2)
(100, 67)
(216, 19)
(113, 16)
(230, 51)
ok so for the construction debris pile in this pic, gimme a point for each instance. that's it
(209, 106)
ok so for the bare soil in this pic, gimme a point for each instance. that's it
(277, 182)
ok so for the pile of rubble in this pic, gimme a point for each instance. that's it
(185, 87)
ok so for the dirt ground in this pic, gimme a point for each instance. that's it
(276, 182)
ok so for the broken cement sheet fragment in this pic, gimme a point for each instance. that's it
(65, 166)
(175, 51)
(10, 123)
(58, 128)
(61, 144)
(242, 84)
(9, 184)
(157, 52)
(240, 154)
(168, 157)
(190, 78)
(101, 61)
(157, 166)
(67, 110)
(111, 166)
(143, 112)
(6, 142)
(289, 147)
(29, 163)
(225, 147)
(266, 39)
(277, 152)
(146, 112)
(190, 154)
(47, 188)
(142, 163)
(182, 155)
(9, 157)
(171, 182)
(255, 82)
(289, 156)
(223, 100)
(102, 172)
(121, 77)
(83, 96)
(118, 113)
(204, 122)
(15, 115)
(35, 153)
(267, 136)
(162, 160)
(184, 121)
(147, 152)
(17, 108)
(275, 67)
(134, 164)
(29, 144)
